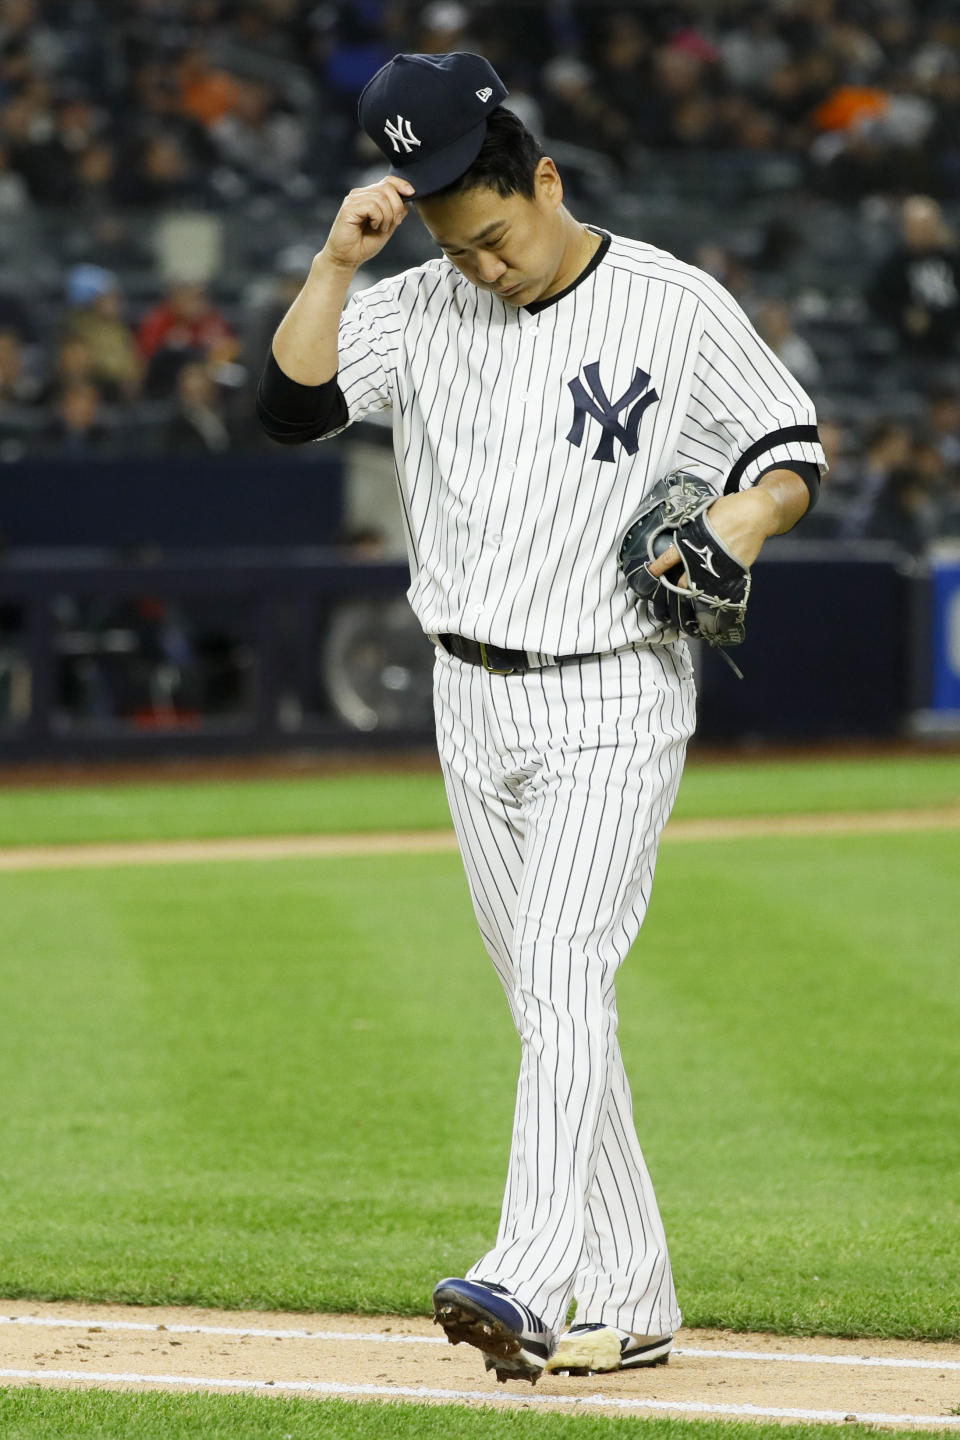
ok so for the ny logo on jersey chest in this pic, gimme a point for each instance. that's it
(597, 405)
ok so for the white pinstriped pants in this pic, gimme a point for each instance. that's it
(559, 783)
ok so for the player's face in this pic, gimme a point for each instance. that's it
(511, 245)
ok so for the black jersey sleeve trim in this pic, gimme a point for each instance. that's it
(786, 436)
(291, 413)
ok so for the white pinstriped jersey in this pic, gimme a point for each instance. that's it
(525, 438)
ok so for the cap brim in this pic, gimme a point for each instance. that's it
(443, 166)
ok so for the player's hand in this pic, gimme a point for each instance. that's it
(742, 521)
(365, 221)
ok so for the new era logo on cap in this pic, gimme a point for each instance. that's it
(421, 112)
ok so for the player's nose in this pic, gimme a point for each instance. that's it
(490, 268)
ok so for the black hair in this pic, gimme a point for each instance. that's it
(507, 161)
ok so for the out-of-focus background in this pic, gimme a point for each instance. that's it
(172, 582)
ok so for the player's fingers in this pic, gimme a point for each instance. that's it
(381, 215)
(381, 212)
(664, 562)
(391, 199)
(399, 187)
(394, 210)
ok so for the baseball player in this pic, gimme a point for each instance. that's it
(543, 377)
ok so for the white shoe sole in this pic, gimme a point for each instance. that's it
(598, 1352)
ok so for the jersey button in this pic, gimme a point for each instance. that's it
(478, 609)
(510, 467)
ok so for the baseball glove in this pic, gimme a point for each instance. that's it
(712, 604)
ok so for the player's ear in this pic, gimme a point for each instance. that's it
(548, 187)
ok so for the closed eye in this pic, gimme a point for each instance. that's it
(492, 244)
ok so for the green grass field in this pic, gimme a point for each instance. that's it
(310, 804)
(290, 1084)
(99, 1415)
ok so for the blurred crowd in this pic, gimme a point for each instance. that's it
(246, 108)
(160, 102)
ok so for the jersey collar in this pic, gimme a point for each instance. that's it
(536, 306)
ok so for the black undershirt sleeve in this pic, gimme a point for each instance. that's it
(809, 473)
(292, 413)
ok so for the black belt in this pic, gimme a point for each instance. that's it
(501, 662)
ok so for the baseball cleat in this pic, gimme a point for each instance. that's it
(594, 1349)
(514, 1342)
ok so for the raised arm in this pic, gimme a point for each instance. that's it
(305, 345)
(299, 398)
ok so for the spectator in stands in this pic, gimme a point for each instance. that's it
(95, 315)
(720, 262)
(155, 104)
(96, 173)
(351, 46)
(278, 28)
(198, 425)
(206, 92)
(931, 468)
(81, 426)
(24, 33)
(917, 289)
(775, 325)
(683, 87)
(906, 512)
(19, 384)
(79, 122)
(576, 112)
(35, 150)
(73, 361)
(185, 321)
(161, 173)
(943, 142)
(444, 26)
(623, 59)
(752, 49)
(15, 197)
(262, 140)
(889, 447)
(942, 425)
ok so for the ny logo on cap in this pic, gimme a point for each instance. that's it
(485, 93)
(398, 136)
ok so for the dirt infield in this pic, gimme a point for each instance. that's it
(886, 1382)
(420, 842)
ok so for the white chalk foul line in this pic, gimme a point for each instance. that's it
(379, 1337)
(892, 1362)
(489, 1397)
(373, 1338)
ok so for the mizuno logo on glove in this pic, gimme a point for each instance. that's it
(706, 555)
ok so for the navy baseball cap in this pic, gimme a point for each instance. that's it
(428, 114)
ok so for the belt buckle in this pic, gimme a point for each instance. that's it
(486, 662)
